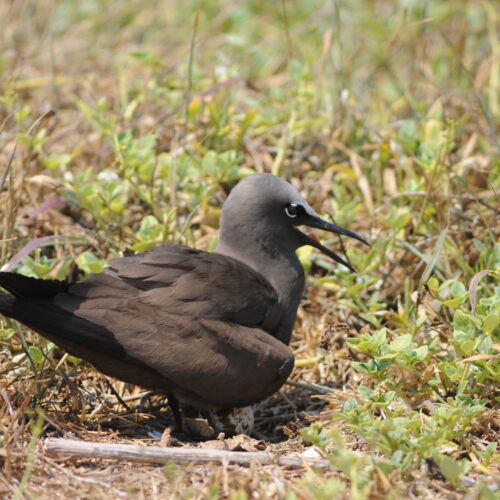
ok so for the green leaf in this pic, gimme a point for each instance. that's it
(54, 161)
(451, 370)
(397, 457)
(6, 333)
(453, 470)
(312, 434)
(485, 345)
(74, 360)
(467, 347)
(433, 285)
(491, 322)
(462, 322)
(379, 338)
(366, 392)
(400, 344)
(89, 263)
(458, 289)
(304, 254)
(457, 301)
(422, 352)
(36, 354)
(399, 218)
(350, 405)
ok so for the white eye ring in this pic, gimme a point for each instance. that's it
(291, 215)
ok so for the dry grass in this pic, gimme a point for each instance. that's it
(383, 115)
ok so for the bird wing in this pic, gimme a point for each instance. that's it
(185, 281)
(197, 324)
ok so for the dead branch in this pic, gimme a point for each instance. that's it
(160, 454)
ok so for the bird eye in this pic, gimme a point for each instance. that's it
(292, 210)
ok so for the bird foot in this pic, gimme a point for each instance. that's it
(232, 421)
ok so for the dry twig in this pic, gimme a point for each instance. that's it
(160, 454)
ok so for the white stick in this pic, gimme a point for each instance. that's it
(162, 454)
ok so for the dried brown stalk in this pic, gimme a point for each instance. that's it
(161, 455)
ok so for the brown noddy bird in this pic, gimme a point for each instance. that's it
(208, 329)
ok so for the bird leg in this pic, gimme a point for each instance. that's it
(176, 410)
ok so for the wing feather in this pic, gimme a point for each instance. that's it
(198, 324)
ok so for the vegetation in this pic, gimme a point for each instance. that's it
(124, 124)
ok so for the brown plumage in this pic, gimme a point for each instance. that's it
(208, 329)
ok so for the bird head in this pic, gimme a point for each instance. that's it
(268, 209)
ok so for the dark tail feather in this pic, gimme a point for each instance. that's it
(6, 304)
(25, 286)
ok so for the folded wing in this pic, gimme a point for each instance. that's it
(199, 325)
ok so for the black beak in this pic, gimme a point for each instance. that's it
(314, 221)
